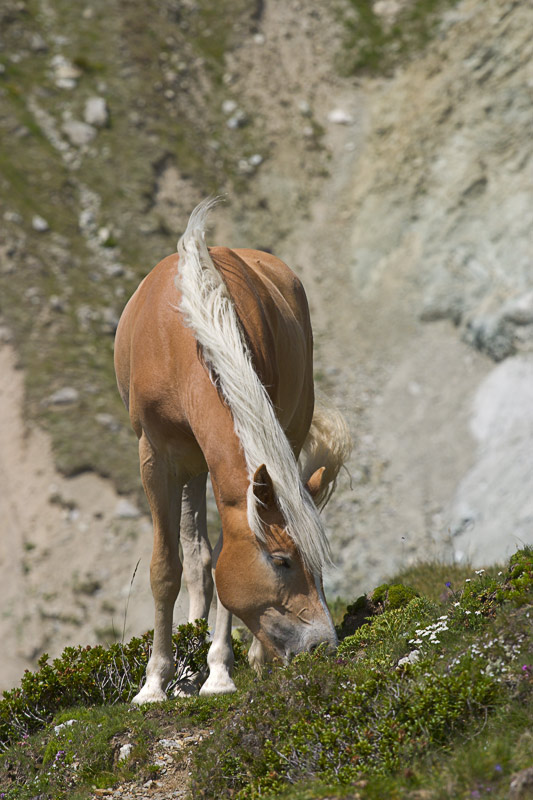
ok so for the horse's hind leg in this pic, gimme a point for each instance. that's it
(196, 564)
(196, 548)
(165, 568)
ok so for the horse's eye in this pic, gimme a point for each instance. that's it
(280, 561)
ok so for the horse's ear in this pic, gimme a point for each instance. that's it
(264, 488)
(314, 484)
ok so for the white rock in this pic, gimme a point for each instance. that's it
(412, 658)
(171, 744)
(39, 224)
(125, 752)
(237, 120)
(340, 117)
(64, 396)
(79, 133)
(38, 44)
(255, 160)
(96, 112)
(126, 510)
(229, 106)
(13, 216)
(519, 310)
(103, 234)
(65, 73)
(67, 724)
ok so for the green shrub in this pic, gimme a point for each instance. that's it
(402, 687)
(519, 582)
(92, 675)
(384, 598)
(318, 719)
(388, 630)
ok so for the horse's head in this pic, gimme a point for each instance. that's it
(265, 581)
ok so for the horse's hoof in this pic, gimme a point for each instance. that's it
(221, 686)
(149, 695)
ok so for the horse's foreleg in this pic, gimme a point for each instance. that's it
(196, 548)
(165, 569)
(220, 658)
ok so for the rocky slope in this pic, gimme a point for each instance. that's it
(404, 202)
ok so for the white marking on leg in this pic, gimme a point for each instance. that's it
(220, 658)
(165, 568)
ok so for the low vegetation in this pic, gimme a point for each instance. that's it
(427, 698)
(376, 43)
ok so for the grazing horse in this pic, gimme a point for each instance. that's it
(213, 357)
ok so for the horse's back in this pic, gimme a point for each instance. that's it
(156, 355)
(272, 308)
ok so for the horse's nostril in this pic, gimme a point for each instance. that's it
(314, 647)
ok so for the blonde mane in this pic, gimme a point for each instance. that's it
(208, 310)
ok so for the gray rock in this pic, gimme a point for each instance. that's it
(63, 725)
(229, 106)
(39, 224)
(79, 133)
(5, 335)
(109, 320)
(96, 112)
(38, 44)
(13, 216)
(107, 421)
(66, 74)
(237, 120)
(412, 658)
(340, 117)
(126, 510)
(125, 752)
(492, 335)
(521, 787)
(64, 396)
(519, 310)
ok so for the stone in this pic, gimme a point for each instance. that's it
(237, 120)
(79, 133)
(107, 421)
(125, 752)
(13, 216)
(519, 310)
(66, 74)
(64, 396)
(96, 112)
(521, 787)
(39, 224)
(229, 106)
(412, 658)
(5, 335)
(126, 510)
(63, 725)
(340, 117)
(38, 44)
